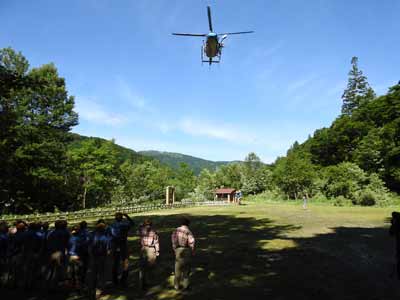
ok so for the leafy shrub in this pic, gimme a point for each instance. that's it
(367, 197)
(268, 196)
(341, 201)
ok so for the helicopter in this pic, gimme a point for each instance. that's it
(212, 46)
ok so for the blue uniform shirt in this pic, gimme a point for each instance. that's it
(74, 246)
(84, 235)
(119, 230)
(58, 240)
(99, 243)
(33, 241)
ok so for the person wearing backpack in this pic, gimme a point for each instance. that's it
(183, 245)
(119, 247)
(99, 249)
(150, 250)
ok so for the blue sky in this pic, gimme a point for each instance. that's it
(135, 82)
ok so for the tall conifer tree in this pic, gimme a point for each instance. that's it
(357, 91)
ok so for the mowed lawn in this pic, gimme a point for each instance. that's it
(273, 251)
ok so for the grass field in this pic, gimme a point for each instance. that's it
(273, 251)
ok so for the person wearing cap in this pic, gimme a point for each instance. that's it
(150, 250)
(183, 246)
(99, 249)
(119, 244)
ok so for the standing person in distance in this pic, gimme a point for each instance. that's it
(150, 250)
(119, 247)
(304, 202)
(183, 246)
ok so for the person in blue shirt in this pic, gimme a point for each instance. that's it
(99, 250)
(44, 255)
(16, 253)
(84, 235)
(74, 255)
(57, 247)
(33, 241)
(119, 246)
(4, 241)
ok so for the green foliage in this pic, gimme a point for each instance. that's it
(358, 90)
(94, 163)
(344, 179)
(184, 181)
(342, 201)
(36, 114)
(229, 176)
(295, 175)
(206, 184)
(148, 179)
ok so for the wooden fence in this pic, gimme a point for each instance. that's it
(107, 212)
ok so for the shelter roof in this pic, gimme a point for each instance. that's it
(224, 191)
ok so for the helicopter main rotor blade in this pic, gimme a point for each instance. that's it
(209, 18)
(240, 32)
(189, 34)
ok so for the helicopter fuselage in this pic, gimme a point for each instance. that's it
(212, 45)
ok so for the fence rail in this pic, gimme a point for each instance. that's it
(109, 211)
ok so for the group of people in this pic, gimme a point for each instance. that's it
(33, 254)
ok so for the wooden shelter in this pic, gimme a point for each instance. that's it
(225, 194)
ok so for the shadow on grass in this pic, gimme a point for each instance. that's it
(248, 258)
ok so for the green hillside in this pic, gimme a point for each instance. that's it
(122, 153)
(175, 159)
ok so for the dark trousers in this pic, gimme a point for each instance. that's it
(120, 262)
(31, 265)
(97, 272)
(56, 269)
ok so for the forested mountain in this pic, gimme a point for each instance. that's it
(174, 160)
(122, 153)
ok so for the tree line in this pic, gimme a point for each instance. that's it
(45, 167)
